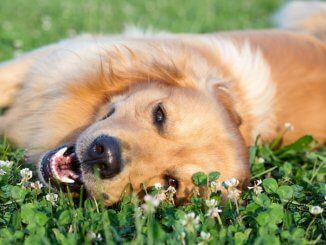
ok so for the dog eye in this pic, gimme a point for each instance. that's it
(159, 116)
(111, 111)
(173, 182)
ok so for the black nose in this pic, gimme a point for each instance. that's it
(104, 156)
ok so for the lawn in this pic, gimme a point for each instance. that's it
(288, 195)
(25, 25)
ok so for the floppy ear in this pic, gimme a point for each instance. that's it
(224, 97)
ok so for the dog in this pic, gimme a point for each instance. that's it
(113, 111)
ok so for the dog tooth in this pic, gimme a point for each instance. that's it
(54, 171)
(73, 175)
(61, 152)
(66, 179)
(56, 175)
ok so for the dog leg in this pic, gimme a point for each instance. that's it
(14, 72)
(11, 75)
(2, 124)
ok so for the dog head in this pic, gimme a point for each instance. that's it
(152, 133)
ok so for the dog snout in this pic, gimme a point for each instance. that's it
(104, 156)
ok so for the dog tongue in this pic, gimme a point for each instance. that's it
(61, 168)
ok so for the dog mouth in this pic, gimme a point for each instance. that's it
(61, 168)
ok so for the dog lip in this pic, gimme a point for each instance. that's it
(45, 168)
(51, 176)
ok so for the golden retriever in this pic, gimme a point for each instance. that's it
(109, 111)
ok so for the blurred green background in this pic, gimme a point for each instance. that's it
(27, 24)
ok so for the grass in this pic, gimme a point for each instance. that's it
(279, 210)
(293, 177)
(25, 25)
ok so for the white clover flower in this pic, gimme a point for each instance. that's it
(233, 194)
(260, 160)
(196, 192)
(152, 200)
(2, 172)
(18, 43)
(91, 235)
(158, 186)
(46, 22)
(99, 237)
(52, 198)
(231, 183)
(213, 212)
(138, 212)
(256, 188)
(6, 164)
(171, 189)
(190, 221)
(288, 126)
(165, 195)
(95, 237)
(315, 210)
(211, 203)
(170, 192)
(161, 196)
(205, 236)
(150, 203)
(26, 174)
(37, 185)
(215, 186)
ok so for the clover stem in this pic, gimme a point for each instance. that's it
(264, 172)
(310, 224)
(219, 220)
(236, 205)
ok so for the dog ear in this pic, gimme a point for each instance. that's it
(223, 96)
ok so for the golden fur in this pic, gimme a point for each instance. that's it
(220, 92)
